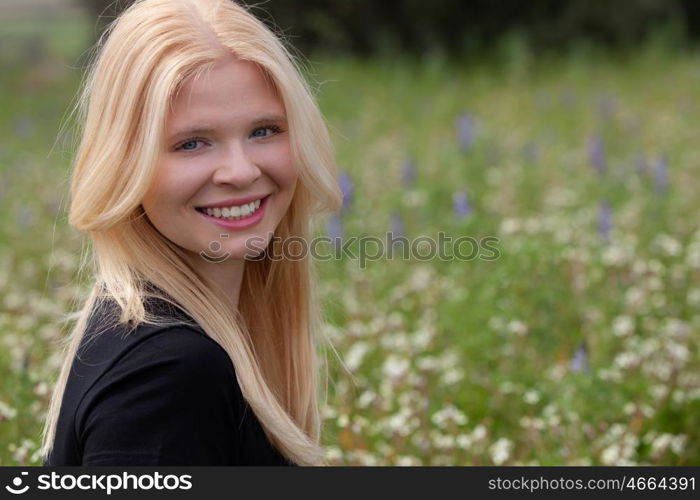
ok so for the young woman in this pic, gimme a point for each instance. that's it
(201, 141)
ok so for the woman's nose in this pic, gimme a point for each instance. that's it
(236, 167)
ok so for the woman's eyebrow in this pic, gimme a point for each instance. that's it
(207, 129)
(273, 118)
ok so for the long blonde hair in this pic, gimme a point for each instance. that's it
(274, 336)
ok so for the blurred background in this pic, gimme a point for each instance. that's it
(564, 129)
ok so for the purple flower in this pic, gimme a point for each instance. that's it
(23, 127)
(461, 205)
(408, 172)
(347, 189)
(530, 152)
(579, 362)
(397, 226)
(596, 153)
(334, 227)
(604, 220)
(466, 128)
(661, 174)
(25, 216)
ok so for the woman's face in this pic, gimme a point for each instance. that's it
(226, 177)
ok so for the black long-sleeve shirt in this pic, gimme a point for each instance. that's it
(156, 396)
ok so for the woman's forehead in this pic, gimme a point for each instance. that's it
(228, 73)
(230, 91)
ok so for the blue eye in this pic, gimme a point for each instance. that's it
(189, 145)
(274, 129)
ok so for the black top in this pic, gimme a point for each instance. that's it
(157, 395)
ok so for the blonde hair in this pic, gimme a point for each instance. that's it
(272, 339)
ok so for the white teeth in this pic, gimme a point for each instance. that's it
(234, 212)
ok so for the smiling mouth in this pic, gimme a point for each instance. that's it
(234, 212)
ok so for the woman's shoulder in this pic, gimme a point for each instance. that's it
(181, 345)
(170, 356)
(170, 398)
(110, 352)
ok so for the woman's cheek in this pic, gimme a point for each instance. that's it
(287, 170)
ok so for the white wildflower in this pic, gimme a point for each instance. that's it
(356, 328)
(517, 327)
(501, 450)
(407, 461)
(415, 198)
(634, 297)
(610, 375)
(41, 389)
(449, 414)
(479, 432)
(420, 279)
(531, 397)
(464, 441)
(676, 328)
(610, 455)
(678, 352)
(428, 363)
(623, 326)
(333, 454)
(626, 360)
(365, 458)
(394, 366)
(661, 443)
(667, 245)
(678, 443)
(452, 376)
(443, 441)
(534, 423)
(355, 355)
(423, 337)
(359, 423)
(6, 411)
(694, 296)
(366, 398)
(21, 453)
(510, 226)
(692, 256)
(614, 255)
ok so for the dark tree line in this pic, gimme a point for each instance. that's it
(364, 27)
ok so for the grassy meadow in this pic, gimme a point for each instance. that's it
(575, 344)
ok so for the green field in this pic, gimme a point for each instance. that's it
(578, 345)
